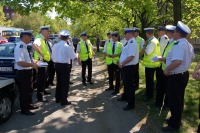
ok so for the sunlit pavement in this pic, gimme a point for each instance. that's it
(92, 110)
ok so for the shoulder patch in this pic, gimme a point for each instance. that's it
(165, 37)
(175, 43)
(131, 41)
(21, 46)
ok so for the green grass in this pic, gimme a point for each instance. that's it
(155, 115)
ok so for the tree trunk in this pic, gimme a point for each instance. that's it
(177, 11)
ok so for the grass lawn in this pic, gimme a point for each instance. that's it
(157, 116)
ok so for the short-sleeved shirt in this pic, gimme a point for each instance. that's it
(183, 51)
(37, 41)
(150, 47)
(123, 41)
(106, 43)
(21, 55)
(163, 40)
(130, 49)
(62, 52)
(78, 47)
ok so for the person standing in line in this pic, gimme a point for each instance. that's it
(85, 52)
(112, 52)
(163, 38)
(128, 60)
(75, 41)
(140, 42)
(61, 55)
(150, 49)
(24, 64)
(178, 62)
(97, 42)
(42, 53)
(161, 91)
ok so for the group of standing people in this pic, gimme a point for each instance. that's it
(169, 57)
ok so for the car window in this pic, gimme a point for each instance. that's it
(7, 50)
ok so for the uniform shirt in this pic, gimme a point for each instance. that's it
(163, 40)
(131, 49)
(21, 54)
(71, 44)
(78, 47)
(150, 47)
(62, 53)
(38, 42)
(182, 50)
(123, 41)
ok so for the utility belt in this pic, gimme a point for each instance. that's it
(178, 73)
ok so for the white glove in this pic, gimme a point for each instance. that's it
(155, 58)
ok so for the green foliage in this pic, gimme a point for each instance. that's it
(3, 21)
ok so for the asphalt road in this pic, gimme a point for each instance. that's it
(93, 110)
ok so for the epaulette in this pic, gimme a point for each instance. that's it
(21, 46)
(166, 38)
(175, 43)
(131, 41)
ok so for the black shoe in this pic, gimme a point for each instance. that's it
(27, 113)
(66, 103)
(32, 107)
(121, 99)
(127, 108)
(70, 82)
(84, 84)
(57, 101)
(169, 129)
(52, 84)
(91, 82)
(115, 92)
(43, 100)
(47, 93)
(109, 89)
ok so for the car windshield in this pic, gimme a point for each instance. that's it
(7, 50)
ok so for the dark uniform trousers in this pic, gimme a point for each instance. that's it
(62, 85)
(149, 74)
(50, 72)
(175, 90)
(25, 86)
(88, 63)
(114, 70)
(128, 74)
(41, 82)
(136, 81)
(161, 94)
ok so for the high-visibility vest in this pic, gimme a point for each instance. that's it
(138, 40)
(118, 47)
(168, 48)
(147, 58)
(43, 49)
(84, 54)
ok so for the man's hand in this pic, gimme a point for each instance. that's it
(120, 65)
(196, 75)
(35, 66)
(166, 72)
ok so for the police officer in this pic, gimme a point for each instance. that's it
(150, 49)
(112, 52)
(161, 90)
(61, 55)
(163, 39)
(42, 53)
(178, 62)
(140, 42)
(24, 65)
(85, 52)
(128, 60)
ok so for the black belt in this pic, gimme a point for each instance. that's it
(25, 70)
(178, 73)
(62, 63)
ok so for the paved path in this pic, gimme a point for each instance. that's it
(92, 111)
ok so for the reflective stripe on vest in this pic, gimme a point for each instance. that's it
(147, 58)
(43, 49)
(138, 40)
(118, 46)
(84, 54)
(168, 48)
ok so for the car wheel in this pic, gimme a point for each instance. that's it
(5, 108)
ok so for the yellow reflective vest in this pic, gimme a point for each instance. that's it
(138, 40)
(84, 54)
(118, 47)
(167, 49)
(147, 58)
(43, 48)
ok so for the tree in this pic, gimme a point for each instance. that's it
(3, 21)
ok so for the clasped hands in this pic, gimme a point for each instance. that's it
(155, 58)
